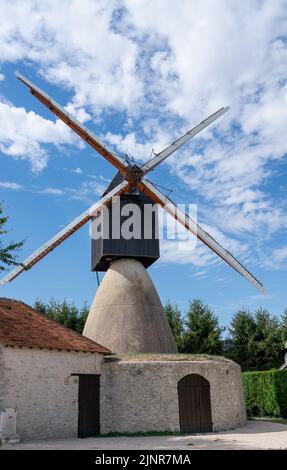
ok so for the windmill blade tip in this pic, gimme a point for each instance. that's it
(23, 79)
(20, 76)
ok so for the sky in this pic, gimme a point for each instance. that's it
(140, 73)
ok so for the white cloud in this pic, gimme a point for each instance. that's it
(200, 274)
(277, 258)
(2, 77)
(79, 113)
(23, 134)
(17, 187)
(74, 45)
(197, 254)
(77, 171)
(166, 65)
(178, 252)
(280, 254)
(53, 191)
(129, 145)
(10, 185)
(209, 64)
(214, 48)
(89, 191)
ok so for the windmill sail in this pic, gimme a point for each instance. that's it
(160, 157)
(184, 219)
(87, 135)
(132, 176)
(65, 233)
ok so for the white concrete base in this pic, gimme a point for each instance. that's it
(126, 314)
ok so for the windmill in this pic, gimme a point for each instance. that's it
(126, 314)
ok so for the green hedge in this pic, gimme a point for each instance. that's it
(266, 393)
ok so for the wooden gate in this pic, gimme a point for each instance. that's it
(194, 404)
(89, 405)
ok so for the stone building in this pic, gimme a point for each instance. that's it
(57, 383)
(156, 392)
(41, 363)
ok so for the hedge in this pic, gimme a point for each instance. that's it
(266, 393)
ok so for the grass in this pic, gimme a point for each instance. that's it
(141, 434)
(164, 357)
(270, 419)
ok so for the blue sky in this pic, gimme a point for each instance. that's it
(139, 83)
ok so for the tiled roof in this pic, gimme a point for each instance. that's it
(21, 325)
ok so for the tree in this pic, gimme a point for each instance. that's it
(176, 323)
(8, 252)
(268, 347)
(83, 315)
(64, 312)
(283, 327)
(283, 330)
(240, 344)
(255, 341)
(202, 331)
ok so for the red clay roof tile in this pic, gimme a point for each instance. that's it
(21, 325)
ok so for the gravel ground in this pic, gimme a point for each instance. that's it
(255, 435)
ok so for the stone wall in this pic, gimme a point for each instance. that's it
(142, 396)
(134, 395)
(38, 383)
(2, 381)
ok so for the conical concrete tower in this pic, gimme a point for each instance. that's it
(126, 315)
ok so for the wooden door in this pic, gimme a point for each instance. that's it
(89, 405)
(194, 404)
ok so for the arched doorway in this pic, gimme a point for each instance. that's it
(194, 404)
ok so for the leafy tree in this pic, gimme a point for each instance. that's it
(202, 331)
(8, 252)
(64, 312)
(176, 323)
